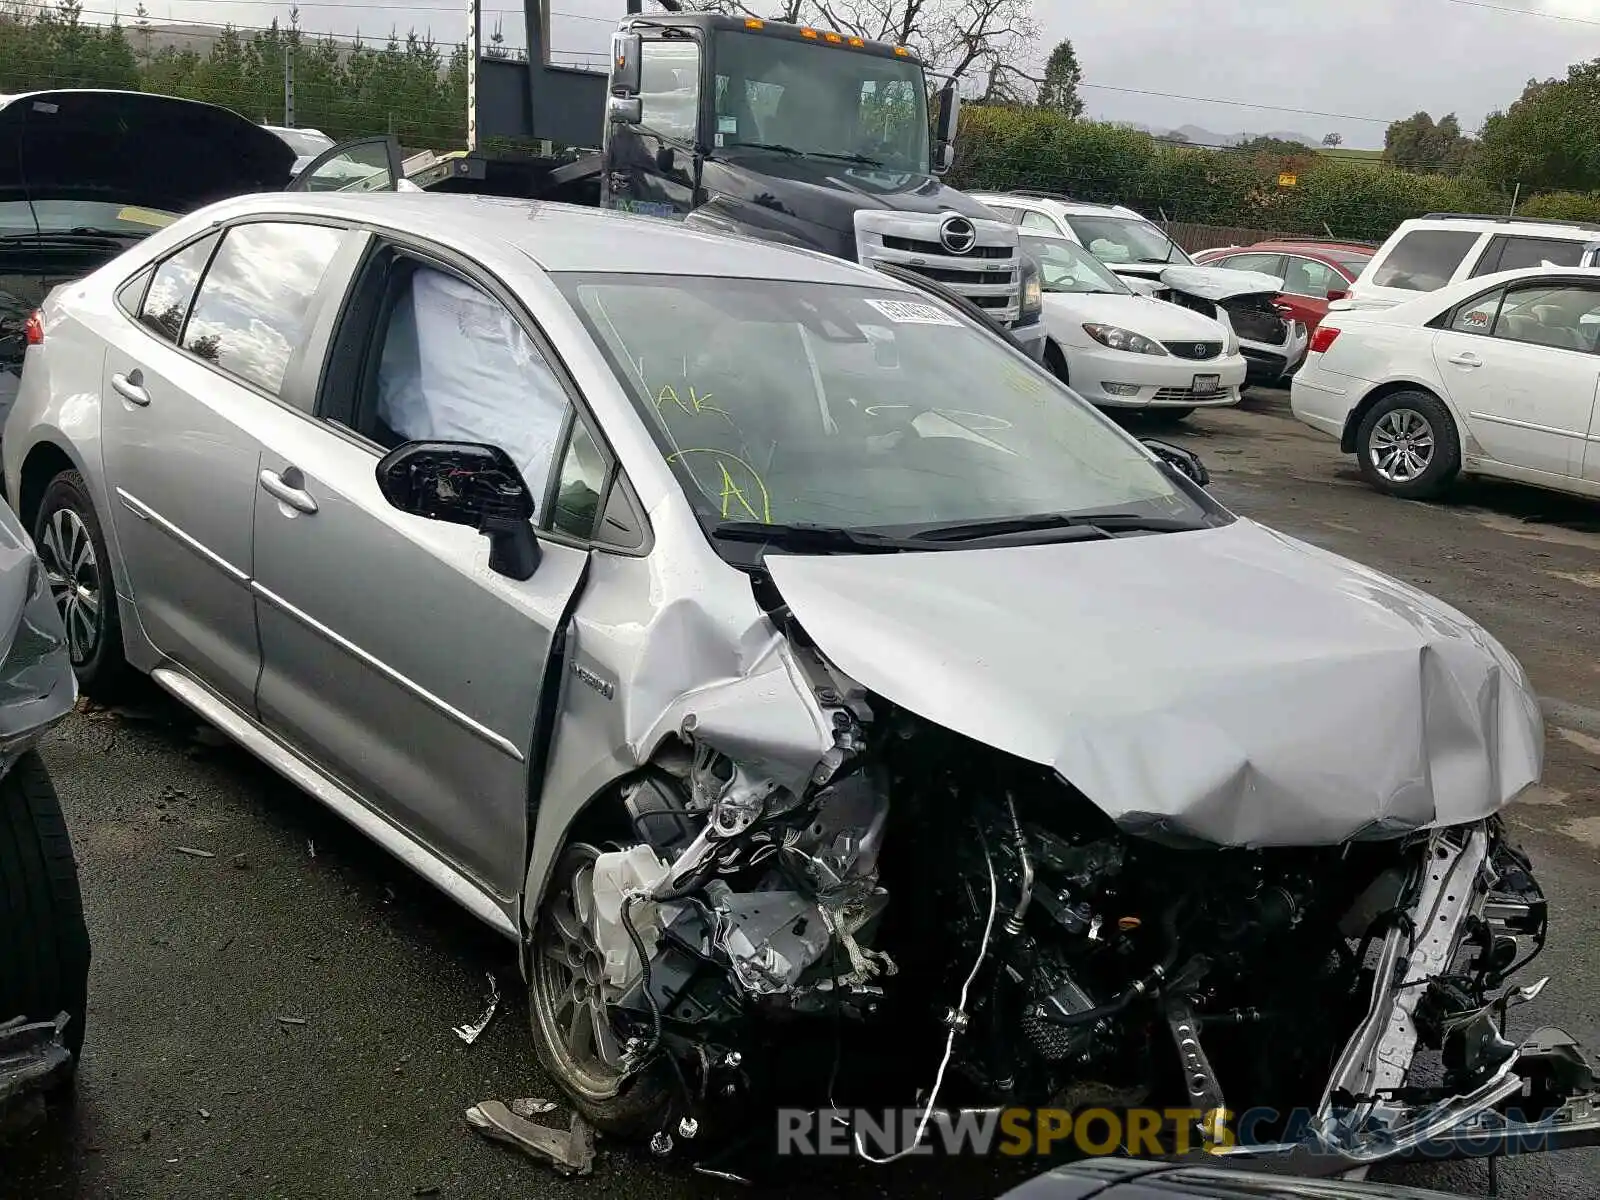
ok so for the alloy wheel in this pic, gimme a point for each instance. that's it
(73, 572)
(1402, 445)
(568, 985)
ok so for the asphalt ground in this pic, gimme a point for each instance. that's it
(193, 1083)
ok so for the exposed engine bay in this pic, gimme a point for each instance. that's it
(931, 892)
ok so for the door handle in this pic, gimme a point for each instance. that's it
(131, 387)
(1466, 360)
(296, 498)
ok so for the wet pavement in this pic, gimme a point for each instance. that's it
(276, 1020)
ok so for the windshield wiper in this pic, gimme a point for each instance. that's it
(82, 233)
(778, 148)
(862, 159)
(775, 147)
(806, 537)
(1085, 525)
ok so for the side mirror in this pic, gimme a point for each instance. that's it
(625, 110)
(949, 114)
(464, 483)
(1338, 293)
(627, 70)
(944, 159)
(1183, 460)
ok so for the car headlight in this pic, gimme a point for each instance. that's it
(1032, 296)
(1123, 339)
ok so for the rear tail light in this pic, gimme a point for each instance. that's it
(33, 331)
(1323, 338)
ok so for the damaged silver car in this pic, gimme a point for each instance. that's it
(828, 702)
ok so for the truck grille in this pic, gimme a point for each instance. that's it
(988, 274)
(1194, 350)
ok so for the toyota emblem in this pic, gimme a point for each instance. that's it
(1201, 350)
(957, 235)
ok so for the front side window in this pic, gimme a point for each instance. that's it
(580, 485)
(1125, 240)
(1425, 259)
(167, 302)
(779, 95)
(253, 309)
(1067, 267)
(456, 366)
(670, 88)
(855, 407)
(1561, 316)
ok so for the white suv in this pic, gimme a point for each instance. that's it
(1425, 254)
(1112, 233)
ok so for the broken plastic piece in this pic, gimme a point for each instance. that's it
(570, 1152)
(193, 853)
(530, 1107)
(469, 1033)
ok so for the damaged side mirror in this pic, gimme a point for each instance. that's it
(466, 483)
(1180, 459)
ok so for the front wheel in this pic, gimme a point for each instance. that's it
(1056, 361)
(77, 566)
(1407, 446)
(44, 943)
(571, 1020)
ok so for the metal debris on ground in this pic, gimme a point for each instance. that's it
(569, 1151)
(530, 1107)
(240, 862)
(193, 853)
(728, 1175)
(469, 1033)
(311, 848)
(292, 1021)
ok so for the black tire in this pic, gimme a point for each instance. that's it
(635, 1107)
(1167, 416)
(1056, 361)
(99, 664)
(1404, 410)
(44, 943)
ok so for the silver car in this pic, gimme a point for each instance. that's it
(715, 619)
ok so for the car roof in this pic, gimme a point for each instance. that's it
(1317, 249)
(567, 238)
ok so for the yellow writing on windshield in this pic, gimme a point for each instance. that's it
(696, 403)
(752, 501)
(1026, 382)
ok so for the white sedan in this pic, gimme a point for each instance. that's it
(1493, 376)
(1119, 349)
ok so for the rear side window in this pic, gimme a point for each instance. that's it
(1037, 220)
(253, 308)
(1010, 214)
(1267, 264)
(1425, 259)
(167, 302)
(1477, 316)
(1308, 277)
(1510, 253)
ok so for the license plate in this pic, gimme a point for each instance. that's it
(1207, 385)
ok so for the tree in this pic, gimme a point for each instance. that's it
(1418, 144)
(1263, 144)
(1547, 138)
(1333, 141)
(1062, 75)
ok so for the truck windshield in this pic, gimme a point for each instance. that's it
(857, 408)
(820, 101)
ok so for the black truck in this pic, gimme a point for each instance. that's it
(788, 133)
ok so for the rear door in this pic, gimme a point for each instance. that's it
(361, 165)
(1520, 364)
(187, 382)
(391, 654)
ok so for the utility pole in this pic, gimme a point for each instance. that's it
(474, 33)
(288, 86)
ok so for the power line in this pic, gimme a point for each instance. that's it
(1303, 112)
(1526, 12)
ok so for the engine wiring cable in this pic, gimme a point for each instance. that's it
(950, 1042)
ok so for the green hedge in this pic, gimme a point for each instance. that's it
(1004, 148)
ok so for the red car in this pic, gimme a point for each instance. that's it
(1313, 273)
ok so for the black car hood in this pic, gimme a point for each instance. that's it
(781, 192)
(130, 148)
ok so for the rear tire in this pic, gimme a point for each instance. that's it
(44, 943)
(629, 1107)
(1407, 446)
(82, 585)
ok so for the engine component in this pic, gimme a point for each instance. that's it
(1055, 1043)
(658, 815)
(1025, 865)
(769, 937)
(619, 875)
(1205, 1093)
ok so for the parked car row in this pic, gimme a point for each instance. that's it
(638, 585)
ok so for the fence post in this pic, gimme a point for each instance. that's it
(1515, 195)
(474, 33)
(288, 86)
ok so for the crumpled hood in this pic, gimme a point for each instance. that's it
(1220, 283)
(1230, 685)
(130, 148)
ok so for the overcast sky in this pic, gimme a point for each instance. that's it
(1383, 59)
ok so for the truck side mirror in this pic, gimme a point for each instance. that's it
(627, 70)
(945, 126)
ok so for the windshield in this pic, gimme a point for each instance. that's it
(858, 408)
(831, 103)
(304, 143)
(93, 216)
(1127, 240)
(1065, 267)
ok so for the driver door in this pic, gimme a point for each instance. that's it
(370, 164)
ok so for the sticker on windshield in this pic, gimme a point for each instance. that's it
(727, 124)
(145, 216)
(907, 312)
